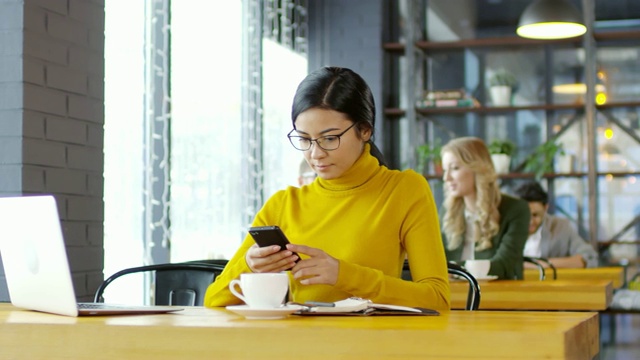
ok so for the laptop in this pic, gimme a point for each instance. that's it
(35, 261)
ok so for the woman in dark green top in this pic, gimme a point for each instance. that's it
(478, 221)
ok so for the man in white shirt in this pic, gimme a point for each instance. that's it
(552, 237)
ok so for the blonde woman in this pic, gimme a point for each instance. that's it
(478, 221)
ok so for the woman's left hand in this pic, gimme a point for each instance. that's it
(319, 268)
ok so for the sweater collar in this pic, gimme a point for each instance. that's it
(360, 172)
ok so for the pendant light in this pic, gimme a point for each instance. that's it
(551, 19)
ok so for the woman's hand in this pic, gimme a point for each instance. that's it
(269, 259)
(319, 268)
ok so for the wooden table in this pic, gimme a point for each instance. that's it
(198, 333)
(615, 274)
(591, 295)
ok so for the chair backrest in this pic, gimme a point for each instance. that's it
(473, 297)
(536, 262)
(549, 265)
(182, 284)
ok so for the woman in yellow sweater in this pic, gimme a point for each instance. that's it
(357, 222)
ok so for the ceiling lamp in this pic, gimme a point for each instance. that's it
(551, 19)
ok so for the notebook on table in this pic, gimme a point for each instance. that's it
(35, 261)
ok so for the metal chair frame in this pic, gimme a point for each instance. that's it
(537, 261)
(210, 266)
(473, 297)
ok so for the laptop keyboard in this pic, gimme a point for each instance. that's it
(94, 306)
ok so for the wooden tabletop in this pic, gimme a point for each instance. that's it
(615, 274)
(591, 295)
(198, 333)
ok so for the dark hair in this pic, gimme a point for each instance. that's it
(532, 192)
(342, 90)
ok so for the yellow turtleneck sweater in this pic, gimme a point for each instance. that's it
(369, 219)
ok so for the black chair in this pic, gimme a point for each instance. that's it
(537, 262)
(473, 298)
(182, 284)
(549, 265)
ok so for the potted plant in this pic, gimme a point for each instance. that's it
(430, 153)
(501, 152)
(501, 85)
(541, 160)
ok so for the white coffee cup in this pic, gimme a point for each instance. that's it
(261, 290)
(478, 268)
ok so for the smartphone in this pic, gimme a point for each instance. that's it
(270, 235)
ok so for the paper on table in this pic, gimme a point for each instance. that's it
(358, 306)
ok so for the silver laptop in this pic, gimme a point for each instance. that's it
(35, 261)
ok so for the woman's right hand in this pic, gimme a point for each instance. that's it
(269, 259)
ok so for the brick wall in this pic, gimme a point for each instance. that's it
(349, 34)
(51, 120)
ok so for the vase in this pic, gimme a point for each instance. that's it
(501, 163)
(501, 95)
(565, 163)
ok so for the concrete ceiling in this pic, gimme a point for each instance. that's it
(499, 13)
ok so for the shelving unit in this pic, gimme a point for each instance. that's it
(412, 73)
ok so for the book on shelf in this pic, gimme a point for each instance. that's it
(468, 102)
(360, 307)
(445, 94)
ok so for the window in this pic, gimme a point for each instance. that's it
(203, 216)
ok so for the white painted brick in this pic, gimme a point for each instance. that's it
(33, 124)
(85, 158)
(65, 181)
(58, 6)
(10, 123)
(48, 101)
(10, 179)
(41, 152)
(33, 71)
(11, 41)
(33, 179)
(45, 48)
(10, 68)
(11, 16)
(67, 79)
(85, 108)
(11, 95)
(66, 130)
(64, 28)
(10, 150)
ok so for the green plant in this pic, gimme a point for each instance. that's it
(502, 147)
(541, 160)
(503, 77)
(429, 152)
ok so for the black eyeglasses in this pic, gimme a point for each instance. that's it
(327, 143)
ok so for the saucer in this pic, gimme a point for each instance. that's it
(264, 313)
(487, 278)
